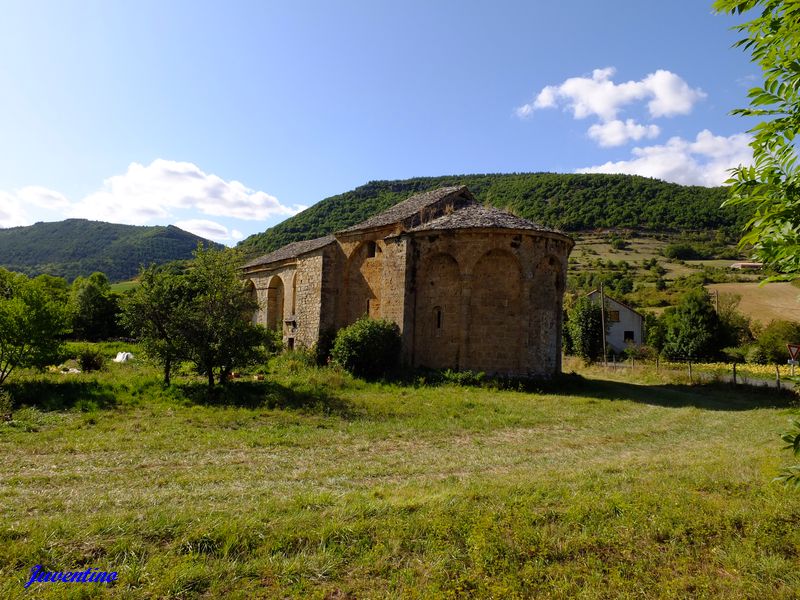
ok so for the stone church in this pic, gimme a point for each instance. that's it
(471, 287)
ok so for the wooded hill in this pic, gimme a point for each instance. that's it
(79, 247)
(566, 201)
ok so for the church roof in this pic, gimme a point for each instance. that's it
(476, 216)
(292, 250)
(412, 206)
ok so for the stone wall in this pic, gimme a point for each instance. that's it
(486, 300)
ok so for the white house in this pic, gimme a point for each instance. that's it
(625, 326)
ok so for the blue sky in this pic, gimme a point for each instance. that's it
(227, 117)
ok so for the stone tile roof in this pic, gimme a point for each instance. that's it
(481, 217)
(292, 250)
(408, 208)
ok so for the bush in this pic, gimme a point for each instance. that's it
(584, 329)
(5, 404)
(90, 359)
(772, 340)
(368, 348)
(683, 251)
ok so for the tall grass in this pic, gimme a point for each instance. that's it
(310, 484)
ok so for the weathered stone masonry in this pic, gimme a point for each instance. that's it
(470, 287)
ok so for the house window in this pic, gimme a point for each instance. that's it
(437, 321)
(628, 337)
(613, 316)
(372, 248)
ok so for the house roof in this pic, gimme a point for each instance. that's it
(410, 207)
(630, 308)
(476, 216)
(292, 250)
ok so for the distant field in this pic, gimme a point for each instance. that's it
(764, 303)
(641, 248)
(313, 485)
(123, 286)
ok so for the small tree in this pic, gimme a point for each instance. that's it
(94, 307)
(585, 329)
(201, 315)
(368, 348)
(156, 312)
(32, 323)
(691, 328)
(772, 340)
(218, 332)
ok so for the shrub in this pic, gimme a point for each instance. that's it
(5, 404)
(619, 244)
(90, 359)
(584, 329)
(463, 378)
(772, 340)
(368, 348)
(683, 251)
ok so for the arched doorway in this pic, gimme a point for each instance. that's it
(275, 303)
(252, 294)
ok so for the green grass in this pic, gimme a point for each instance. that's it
(123, 286)
(313, 485)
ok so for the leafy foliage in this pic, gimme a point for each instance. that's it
(790, 476)
(94, 308)
(218, 333)
(201, 314)
(691, 328)
(771, 341)
(90, 358)
(770, 188)
(155, 311)
(585, 329)
(32, 323)
(77, 247)
(368, 348)
(567, 201)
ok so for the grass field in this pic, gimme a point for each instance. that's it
(764, 302)
(642, 247)
(313, 485)
(123, 286)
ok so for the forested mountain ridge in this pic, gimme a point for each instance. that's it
(570, 202)
(79, 247)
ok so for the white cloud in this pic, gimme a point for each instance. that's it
(616, 133)
(159, 192)
(670, 94)
(598, 95)
(12, 213)
(145, 193)
(42, 197)
(704, 161)
(210, 230)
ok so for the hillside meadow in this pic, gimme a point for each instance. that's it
(310, 484)
(764, 302)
